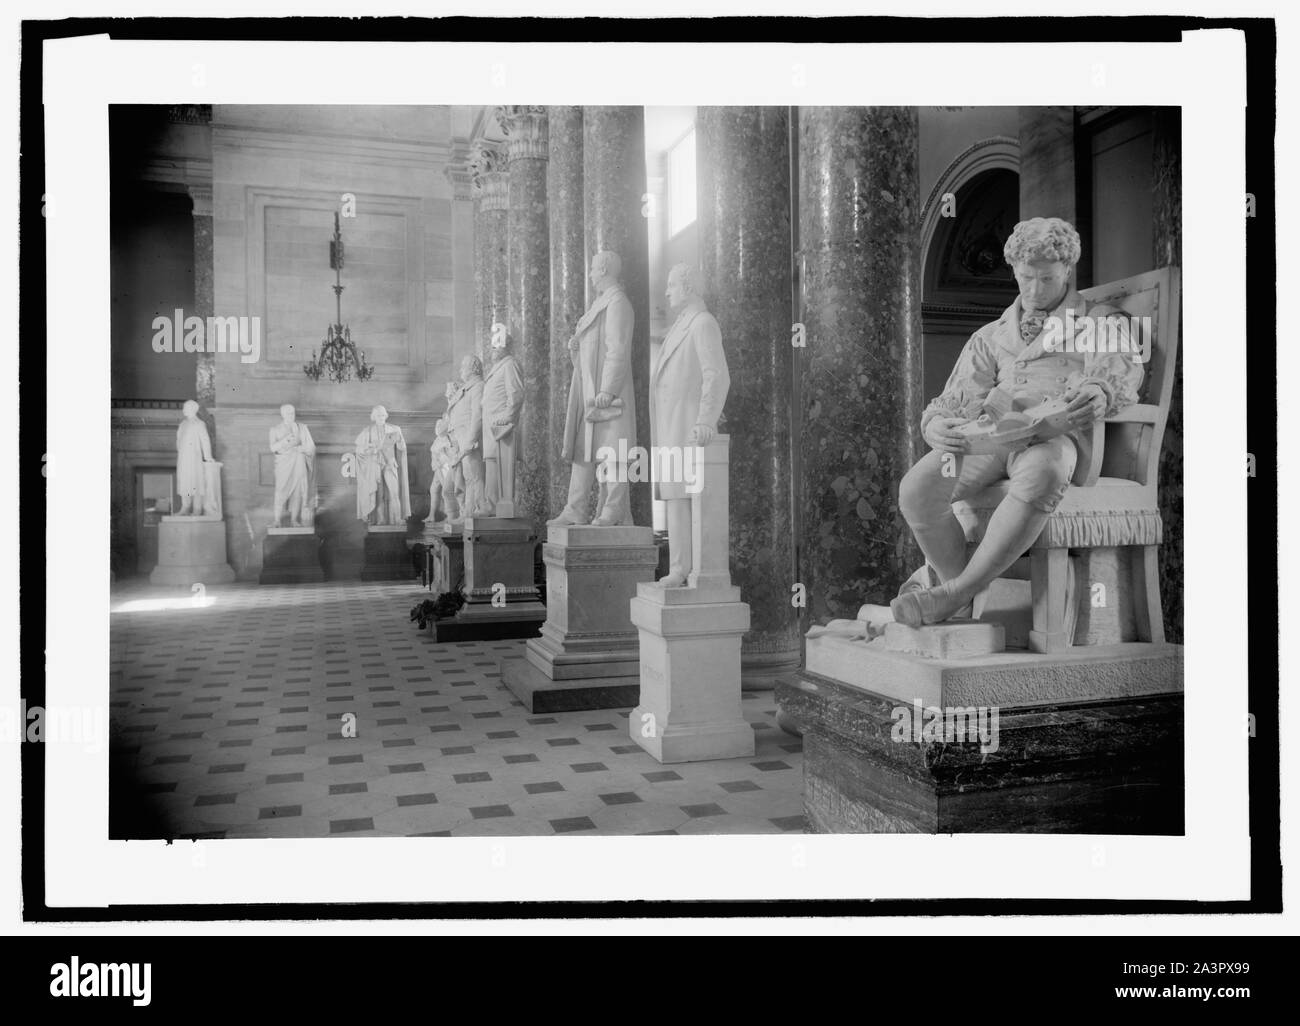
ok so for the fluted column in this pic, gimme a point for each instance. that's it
(859, 235)
(744, 230)
(205, 370)
(564, 201)
(1167, 243)
(613, 178)
(491, 214)
(1047, 162)
(530, 301)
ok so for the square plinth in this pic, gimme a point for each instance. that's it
(191, 550)
(541, 693)
(387, 557)
(291, 555)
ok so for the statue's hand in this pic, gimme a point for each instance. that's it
(501, 422)
(941, 434)
(603, 399)
(1086, 404)
(701, 434)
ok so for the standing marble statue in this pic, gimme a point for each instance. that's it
(602, 400)
(383, 489)
(198, 478)
(688, 387)
(465, 426)
(503, 399)
(295, 470)
(442, 492)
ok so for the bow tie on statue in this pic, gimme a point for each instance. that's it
(1031, 324)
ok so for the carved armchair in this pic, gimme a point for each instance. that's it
(1108, 523)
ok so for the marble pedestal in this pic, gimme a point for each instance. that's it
(501, 598)
(291, 555)
(587, 655)
(690, 640)
(192, 550)
(386, 556)
(1088, 741)
(445, 541)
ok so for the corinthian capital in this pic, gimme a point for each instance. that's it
(525, 130)
(488, 170)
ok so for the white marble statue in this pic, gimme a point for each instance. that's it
(198, 475)
(602, 399)
(688, 387)
(383, 488)
(442, 492)
(503, 401)
(465, 426)
(295, 471)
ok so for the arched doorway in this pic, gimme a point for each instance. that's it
(965, 282)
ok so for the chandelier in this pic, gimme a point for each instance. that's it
(339, 356)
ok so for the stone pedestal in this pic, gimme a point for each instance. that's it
(192, 550)
(1089, 741)
(501, 599)
(587, 655)
(291, 555)
(690, 641)
(448, 547)
(386, 556)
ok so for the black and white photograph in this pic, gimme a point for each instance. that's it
(793, 476)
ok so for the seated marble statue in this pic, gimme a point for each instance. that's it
(1027, 356)
(383, 489)
(194, 480)
(295, 470)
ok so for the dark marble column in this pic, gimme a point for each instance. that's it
(205, 370)
(860, 372)
(1047, 162)
(564, 203)
(460, 175)
(613, 178)
(1167, 216)
(529, 275)
(491, 214)
(743, 156)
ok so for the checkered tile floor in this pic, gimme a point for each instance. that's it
(227, 708)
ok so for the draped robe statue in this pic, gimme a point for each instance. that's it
(383, 486)
(197, 474)
(295, 471)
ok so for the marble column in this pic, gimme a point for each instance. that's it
(491, 214)
(860, 369)
(1047, 162)
(1167, 216)
(529, 277)
(564, 204)
(205, 370)
(460, 175)
(614, 184)
(745, 258)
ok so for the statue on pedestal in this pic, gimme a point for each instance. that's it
(442, 492)
(503, 399)
(465, 426)
(1010, 364)
(602, 402)
(295, 471)
(198, 475)
(383, 489)
(688, 387)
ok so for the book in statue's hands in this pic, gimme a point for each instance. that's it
(990, 434)
(596, 414)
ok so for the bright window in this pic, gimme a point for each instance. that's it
(681, 184)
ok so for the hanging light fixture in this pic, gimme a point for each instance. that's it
(339, 357)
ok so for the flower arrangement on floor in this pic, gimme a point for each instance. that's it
(431, 610)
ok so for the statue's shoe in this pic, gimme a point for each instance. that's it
(921, 606)
(605, 522)
(672, 581)
(564, 520)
